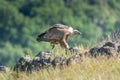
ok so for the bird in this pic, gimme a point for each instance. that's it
(58, 34)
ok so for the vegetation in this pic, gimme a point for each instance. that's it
(22, 20)
(89, 69)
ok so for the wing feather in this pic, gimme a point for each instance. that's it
(55, 33)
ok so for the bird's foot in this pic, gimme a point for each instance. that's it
(53, 46)
(66, 50)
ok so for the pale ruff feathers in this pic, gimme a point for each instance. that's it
(71, 30)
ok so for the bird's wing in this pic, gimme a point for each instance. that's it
(54, 33)
(60, 26)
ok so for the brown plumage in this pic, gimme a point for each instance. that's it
(58, 34)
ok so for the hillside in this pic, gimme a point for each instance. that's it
(21, 21)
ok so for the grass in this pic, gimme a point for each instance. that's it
(100, 68)
(90, 69)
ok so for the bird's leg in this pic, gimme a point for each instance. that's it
(65, 45)
(66, 50)
(53, 46)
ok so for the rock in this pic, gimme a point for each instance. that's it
(4, 69)
(118, 48)
(74, 49)
(44, 55)
(94, 51)
(41, 61)
(22, 64)
(57, 61)
(110, 51)
(75, 59)
(110, 44)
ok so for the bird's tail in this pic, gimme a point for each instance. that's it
(41, 37)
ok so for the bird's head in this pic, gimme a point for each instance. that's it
(76, 32)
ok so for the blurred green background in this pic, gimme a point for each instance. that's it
(21, 21)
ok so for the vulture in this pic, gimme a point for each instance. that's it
(58, 34)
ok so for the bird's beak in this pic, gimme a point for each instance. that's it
(77, 32)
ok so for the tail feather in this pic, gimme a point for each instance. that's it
(42, 38)
(41, 35)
